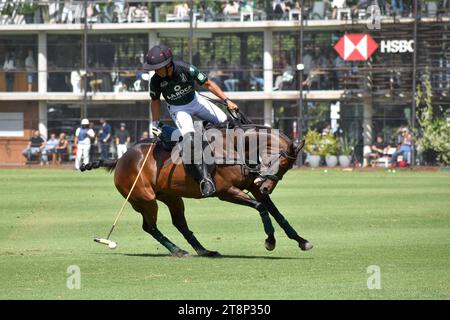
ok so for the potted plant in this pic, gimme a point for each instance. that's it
(28, 9)
(330, 149)
(7, 12)
(346, 147)
(314, 147)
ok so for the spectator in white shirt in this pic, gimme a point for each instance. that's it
(30, 66)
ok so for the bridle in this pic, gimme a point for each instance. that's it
(276, 157)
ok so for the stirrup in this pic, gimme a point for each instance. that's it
(202, 185)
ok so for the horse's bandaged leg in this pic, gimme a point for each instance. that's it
(268, 227)
(163, 240)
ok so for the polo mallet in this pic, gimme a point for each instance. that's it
(110, 243)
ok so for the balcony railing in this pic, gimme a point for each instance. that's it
(130, 12)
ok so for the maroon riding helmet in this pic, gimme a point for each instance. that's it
(157, 57)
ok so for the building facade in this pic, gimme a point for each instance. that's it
(88, 58)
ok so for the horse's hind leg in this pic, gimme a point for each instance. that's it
(149, 211)
(176, 208)
(284, 224)
(235, 195)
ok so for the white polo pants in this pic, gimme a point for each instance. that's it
(82, 152)
(199, 107)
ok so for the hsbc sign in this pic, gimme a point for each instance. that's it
(359, 46)
(356, 46)
(396, 46)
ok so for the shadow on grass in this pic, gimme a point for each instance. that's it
(225, 256)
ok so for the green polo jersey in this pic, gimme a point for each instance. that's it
(180, 88)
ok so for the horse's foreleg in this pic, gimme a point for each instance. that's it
(176, 208)
(149, 211)
(284, 224)
(235, 195)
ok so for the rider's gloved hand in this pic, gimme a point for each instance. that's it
(154, 128)
(231, 105)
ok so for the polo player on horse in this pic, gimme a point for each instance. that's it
(175, 80)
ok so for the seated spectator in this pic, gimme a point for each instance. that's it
(279, 9)
(397, 7)
(207, 12)
(50, 149)
(61, 148)
(377, 150)
(256, 76)
(35, 146)
(404, 149)
(285, 78)
(181, 11)
(139, 13)
(215, 73)
(119, 5)
(232, 82)
(91, 12)
(231, 8)
(120, 11)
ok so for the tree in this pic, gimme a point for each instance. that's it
(434, 132)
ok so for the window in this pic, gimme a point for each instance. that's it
(11, 124)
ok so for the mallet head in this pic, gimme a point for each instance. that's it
(111, 244)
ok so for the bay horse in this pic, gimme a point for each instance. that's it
(162, 179)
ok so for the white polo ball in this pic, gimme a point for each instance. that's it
(112, 245)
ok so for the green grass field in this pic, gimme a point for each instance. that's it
(399, 222)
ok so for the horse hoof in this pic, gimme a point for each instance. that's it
(305, 246)
(180, 254)
(270, 245)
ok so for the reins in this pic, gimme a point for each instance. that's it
(239, 120)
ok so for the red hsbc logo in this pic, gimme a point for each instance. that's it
(356, 46)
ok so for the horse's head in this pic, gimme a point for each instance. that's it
(280, 162)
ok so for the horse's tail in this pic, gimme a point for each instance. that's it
(109, 165)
